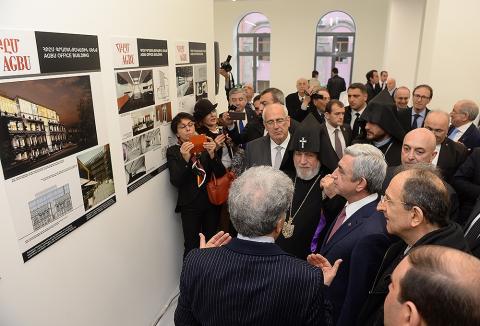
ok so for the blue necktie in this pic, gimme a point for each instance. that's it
(240, 125)
(453, 133)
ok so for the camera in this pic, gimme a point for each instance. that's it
(226, 64)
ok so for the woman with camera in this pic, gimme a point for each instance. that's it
(191, 163)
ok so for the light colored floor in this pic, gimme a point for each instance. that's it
(167, 318)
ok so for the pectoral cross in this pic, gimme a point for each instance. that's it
(303, 141)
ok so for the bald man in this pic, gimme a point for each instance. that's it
(463, 130)
(448, 278)
(401, 98)
(294, 101)
(391, 86)
(450, 154)
(419, 147)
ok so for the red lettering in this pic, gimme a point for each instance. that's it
(123, 47)
(16, 63)
(127, 59)
(9, 45)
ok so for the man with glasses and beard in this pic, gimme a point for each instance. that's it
(307, 209)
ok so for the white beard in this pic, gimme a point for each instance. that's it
(307, 174)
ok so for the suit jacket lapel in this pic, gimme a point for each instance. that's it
(475, 212)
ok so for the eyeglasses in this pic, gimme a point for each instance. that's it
(278, 121)
(384, 199)
(182, 126)
(420, 97)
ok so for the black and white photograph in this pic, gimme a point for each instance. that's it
(134, 90)
(96, 176)
(132, 149)
(151, 140)
(44, 120)
(142, 121)
(162, 85)
(50, 205)
(135, 169)
(184, 81)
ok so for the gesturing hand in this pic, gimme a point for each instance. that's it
(328, 270)
(219, 239)
(210, 146)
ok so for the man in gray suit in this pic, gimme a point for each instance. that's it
(272, 149)
(250, 280)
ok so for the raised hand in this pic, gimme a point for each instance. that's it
(219, 239)
(329, 271)
(185, 149)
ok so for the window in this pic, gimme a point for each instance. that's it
(253, 51)
(334, 46)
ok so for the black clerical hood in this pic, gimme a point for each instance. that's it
(306, 137)
(380, 110)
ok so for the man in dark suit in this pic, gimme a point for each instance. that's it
(414, 117)
(372, 85)
(466, 182)
(251, 281)
(334, 135)
(463, 130)
(434, 285)
(357, 102)
(450, 154)
(336, 84)
(294, 101)
(358, 236)
(401, 98)
(416, 208)
(272, 149)
(472, 230)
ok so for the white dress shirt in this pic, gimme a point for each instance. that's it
(352, 208)
(273, 150)
(331, 135)
(354, 116)
(461, 131)
(435, 159)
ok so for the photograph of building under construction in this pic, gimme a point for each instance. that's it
(96, 177)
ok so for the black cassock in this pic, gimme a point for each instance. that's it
(308, 217)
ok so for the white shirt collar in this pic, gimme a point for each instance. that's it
(351, 208)
(435, 159)
(464, 128)
(262, 238)
(284, 144)
(330, 128)
(359, 111)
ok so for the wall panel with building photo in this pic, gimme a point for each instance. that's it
(49, 113)
(191, 74)
(144, 107)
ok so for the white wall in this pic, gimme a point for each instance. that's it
(450, 51)
(121, 267)
(293, 26)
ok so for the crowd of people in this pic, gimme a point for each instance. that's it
(366, 214)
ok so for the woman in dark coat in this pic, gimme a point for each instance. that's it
(190, 172)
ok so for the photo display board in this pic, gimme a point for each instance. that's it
(144, 107)
(54, 154)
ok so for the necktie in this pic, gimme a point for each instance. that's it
(415, 118)
(320, 227)
(338, 223)
(453, 133)
(241, 127)
(356, 125)
(278, 157)
(338, 144)
(472, 234)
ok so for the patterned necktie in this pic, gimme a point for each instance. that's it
(278, 157)
(199, 171)
(338, 144)
(338, 223)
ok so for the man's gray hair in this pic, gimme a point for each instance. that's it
(258, 199)
(369, 164)
(285, 110)
(236, 90)
(470, 108)
(277, 95)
